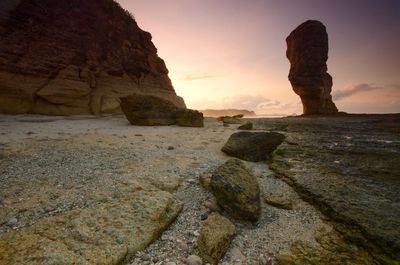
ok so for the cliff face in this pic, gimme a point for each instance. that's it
(63, 57)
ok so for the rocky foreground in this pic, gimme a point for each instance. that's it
(100, 191)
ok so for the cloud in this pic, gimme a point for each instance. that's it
(345, 93)
(192, 77)
(259, 104)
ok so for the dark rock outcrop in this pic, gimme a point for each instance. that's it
(252, 146)
(348, 168)
(246, 126)
(79, 61)
(152, 111)
(307, 51)
(236, 190)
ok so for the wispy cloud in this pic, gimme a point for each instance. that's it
(345, 93)
(192, 77)
(259, 104)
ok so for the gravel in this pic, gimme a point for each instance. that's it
(73, 163)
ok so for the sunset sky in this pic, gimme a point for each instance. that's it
(231, 53)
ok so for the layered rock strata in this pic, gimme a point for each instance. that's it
(307, 51)
(77, 62)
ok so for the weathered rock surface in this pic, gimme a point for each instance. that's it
(194, 260)
(252, 146)
(246, 126)
(215, 237)
(230, 120)
(76, 62)
(236, 190)
(151, 111)
(307, 51)
(107, 233)
(348, 167)
(279, 201)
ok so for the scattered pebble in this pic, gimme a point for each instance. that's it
(193, 260)
(12, 222)
(204, 216)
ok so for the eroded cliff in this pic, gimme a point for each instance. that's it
(76, 57)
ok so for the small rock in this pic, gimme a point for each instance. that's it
(212, 206)
(215, 237)
(145, 257)
(279, 201)
(171, 148)
(230, 120)
(193, 260)
(191, 181)
(284, 260)
(237, 255)
(12, 222)
(266, 260)
(182, 245)
(48, 209)
(204, 216)
(246, 126)
(205, 180)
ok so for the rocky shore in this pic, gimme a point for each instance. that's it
(101, 191)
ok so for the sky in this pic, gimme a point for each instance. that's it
(232, 53)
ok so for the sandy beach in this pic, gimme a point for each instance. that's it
(52, 165)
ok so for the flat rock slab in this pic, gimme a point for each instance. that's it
(252, 146)
(106, 233)
(348, 166)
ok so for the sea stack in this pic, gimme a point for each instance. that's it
(307, 51)
(76, 57)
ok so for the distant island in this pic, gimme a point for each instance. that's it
(227, 112)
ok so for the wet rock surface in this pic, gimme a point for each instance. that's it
(348, 167)
(307, 51)
(153, 111)
(236, 190)
(252, 146)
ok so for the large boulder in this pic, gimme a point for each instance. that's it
(150, 111)
(307, 51)
(236, 190)
(215, 237)
(77, 62)
(252, 146)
